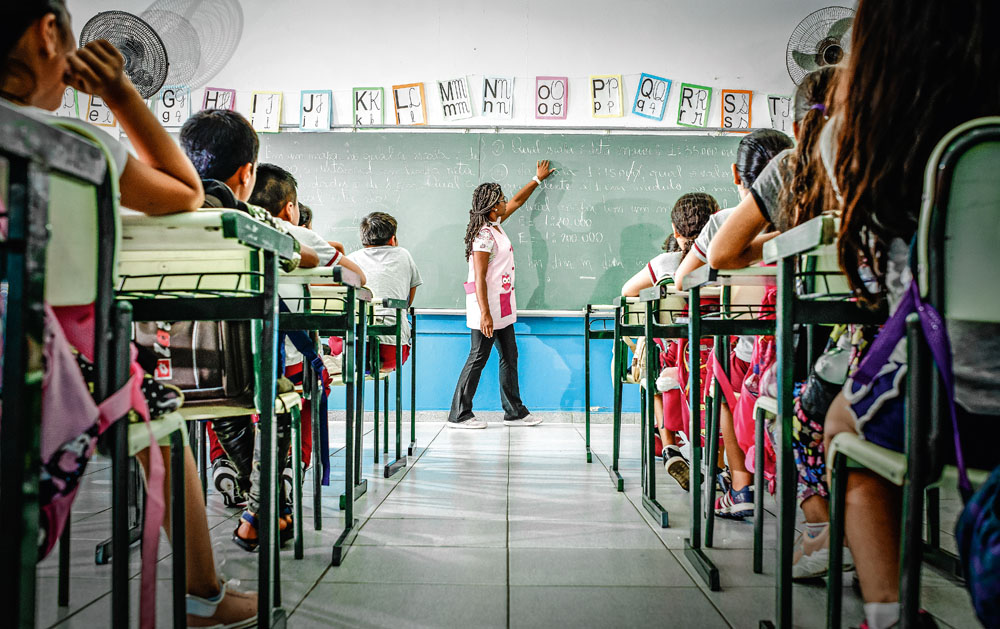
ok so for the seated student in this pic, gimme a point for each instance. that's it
(306, 219)
(754, 152)
(392, 274)
(875, 157)
(688, 217)
(39, 58)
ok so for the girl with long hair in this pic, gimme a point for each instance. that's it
(491, 308)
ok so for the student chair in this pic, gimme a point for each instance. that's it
(956, 258)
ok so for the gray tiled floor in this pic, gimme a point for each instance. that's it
(505, 528)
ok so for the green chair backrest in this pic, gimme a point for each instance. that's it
(71, 260)
(962, 203)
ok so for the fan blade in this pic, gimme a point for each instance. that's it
(840, 27)
(805, 60)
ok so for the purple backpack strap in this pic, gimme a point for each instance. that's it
(934, 329)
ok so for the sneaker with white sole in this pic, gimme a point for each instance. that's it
(811, 557)
(471, 423)
(677, 466)
(735, 505)
(224, 477)
(527, 420)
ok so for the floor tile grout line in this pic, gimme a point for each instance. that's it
(63, 620)
(680, 560)
(369, 517)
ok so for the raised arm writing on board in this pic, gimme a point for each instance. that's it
(522, 195)
(481, 260)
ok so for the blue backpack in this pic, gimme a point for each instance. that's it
(978, 536)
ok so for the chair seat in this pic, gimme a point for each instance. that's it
(283, 403)
(766, 404)
(162, 427)
(888, 464)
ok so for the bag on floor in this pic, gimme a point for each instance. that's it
(978, 535)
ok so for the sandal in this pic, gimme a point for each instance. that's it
(230, 609)
(249, 545)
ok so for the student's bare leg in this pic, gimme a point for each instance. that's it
(202, 579)
(734, 453)
(667, 437)
(871, 522)
(816, 509)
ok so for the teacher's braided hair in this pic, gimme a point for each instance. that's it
(484, 198)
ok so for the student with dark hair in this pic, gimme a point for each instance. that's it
(38, 60)
(305, 216)
(392, 274)
(874, 152)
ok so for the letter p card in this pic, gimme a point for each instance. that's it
(606, 96)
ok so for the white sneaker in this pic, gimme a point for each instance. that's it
(468, 424)
(811, 558)
(527, 420)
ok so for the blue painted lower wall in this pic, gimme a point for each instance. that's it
(550, 365)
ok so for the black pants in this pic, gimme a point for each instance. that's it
(468, 382)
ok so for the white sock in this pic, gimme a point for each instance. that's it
(881, 615)
(815, 529)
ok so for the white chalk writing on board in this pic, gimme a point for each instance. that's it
(409, 103)
(780, 108)
(369, 106)
(265, 112)
(651, 97)
(172, 106)
(99, 113)
(69, 106)
(737, 106)
(551, 97)
(316, 110)
(219, 98)
(606, 96)
(456, 102)
(498, 97)
(692, 109)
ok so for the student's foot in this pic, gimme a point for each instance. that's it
(677, 466)
(245, 534)
(286, 528)
(725, 481)
(224, 476)
(811, 557)
(924, 621)
(735, 505)
(527, 420)
(230, 609)
(470, 423)
(161, 398)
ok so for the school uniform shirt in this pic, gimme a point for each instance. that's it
(293, 293)
(767, 190)
(391, 273)
(744, 346)
(499, 280)
(664, 266)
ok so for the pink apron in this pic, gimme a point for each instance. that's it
(499, 286)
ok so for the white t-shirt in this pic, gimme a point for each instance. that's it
(391, 273)
(744, 347)
(293, 293)
(663, 265)
(119, 154)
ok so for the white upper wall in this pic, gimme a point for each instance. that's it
(291, 45)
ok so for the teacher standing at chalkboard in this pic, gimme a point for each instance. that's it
(490, 306)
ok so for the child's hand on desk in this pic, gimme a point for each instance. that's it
(543, 170)
(486, 325)
(99, 69)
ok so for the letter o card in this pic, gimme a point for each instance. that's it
(551, 97)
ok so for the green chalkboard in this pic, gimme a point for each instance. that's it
(593, 224)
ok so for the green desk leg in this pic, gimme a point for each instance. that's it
(374, 360)
(586, 382)
(297, 478)
(178, 533)
(648, 435)
(616, 426)
(786, 471)
(413, 383)
(692, 546)
(350, 532)
(834, 584)
(758, 493)
(316, 386)
(720, 347)
(391, 467)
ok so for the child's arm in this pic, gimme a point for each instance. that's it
(338, 246)
(542, 171)
(480, 261)
(638, 282)
(162, 180)
(413, 294)
(737, 245)
(688, 264)
(310, 259)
